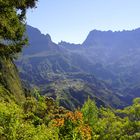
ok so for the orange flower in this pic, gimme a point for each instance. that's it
(70, 115)
(78, 115)
(58, 122)
(85, 132)
(74, 117)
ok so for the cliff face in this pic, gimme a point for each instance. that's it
(9, 78)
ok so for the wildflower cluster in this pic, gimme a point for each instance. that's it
(85, 131)
(75, 117)
(58, 122)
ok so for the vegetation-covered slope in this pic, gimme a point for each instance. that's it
(12, 39)
(41, 119)
(103, 56)
(36, 117)
(10, 80)
(56, 77)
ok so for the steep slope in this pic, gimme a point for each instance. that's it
(125, 39)
(114, 56)
(38, 42)
(10, 81)
(63, 80)
(106, 55)
(75, 88)
(116, 49)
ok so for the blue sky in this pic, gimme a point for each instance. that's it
(71, 20)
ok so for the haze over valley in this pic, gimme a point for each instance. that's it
(104, 67)
(69, 70)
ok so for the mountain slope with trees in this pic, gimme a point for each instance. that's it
(40, 117)
(103, 55)
(12, 39)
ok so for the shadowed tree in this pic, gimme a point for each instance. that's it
(12, 39)
(12, 25)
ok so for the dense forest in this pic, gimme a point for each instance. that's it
(27, 115)
(40, 118)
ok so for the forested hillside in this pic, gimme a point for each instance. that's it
(41, 118)
(101, 65)
(59, 95)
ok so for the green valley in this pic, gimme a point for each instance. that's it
(66, 91)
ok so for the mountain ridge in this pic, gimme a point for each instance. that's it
(105, 58)
(92, 31)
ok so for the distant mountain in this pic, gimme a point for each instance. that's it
(113, 39)
(38, 42)
(111, 58)
(117, 51)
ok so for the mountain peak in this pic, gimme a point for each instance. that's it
(48, 37)
(95, 37)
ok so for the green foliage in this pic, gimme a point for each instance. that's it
(26, 123)
(12, 25)
(133, 112)
(5, 95)
(41, 119)
(117, 124)
(10, 122)
(90, 112)
(10, 81)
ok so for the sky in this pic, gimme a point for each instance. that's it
(72, 20)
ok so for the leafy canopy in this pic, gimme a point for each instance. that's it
(12, 24)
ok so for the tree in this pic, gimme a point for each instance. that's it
(12, 25)
(90, 112)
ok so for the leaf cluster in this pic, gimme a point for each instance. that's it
(40, 118)
(12, 25)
